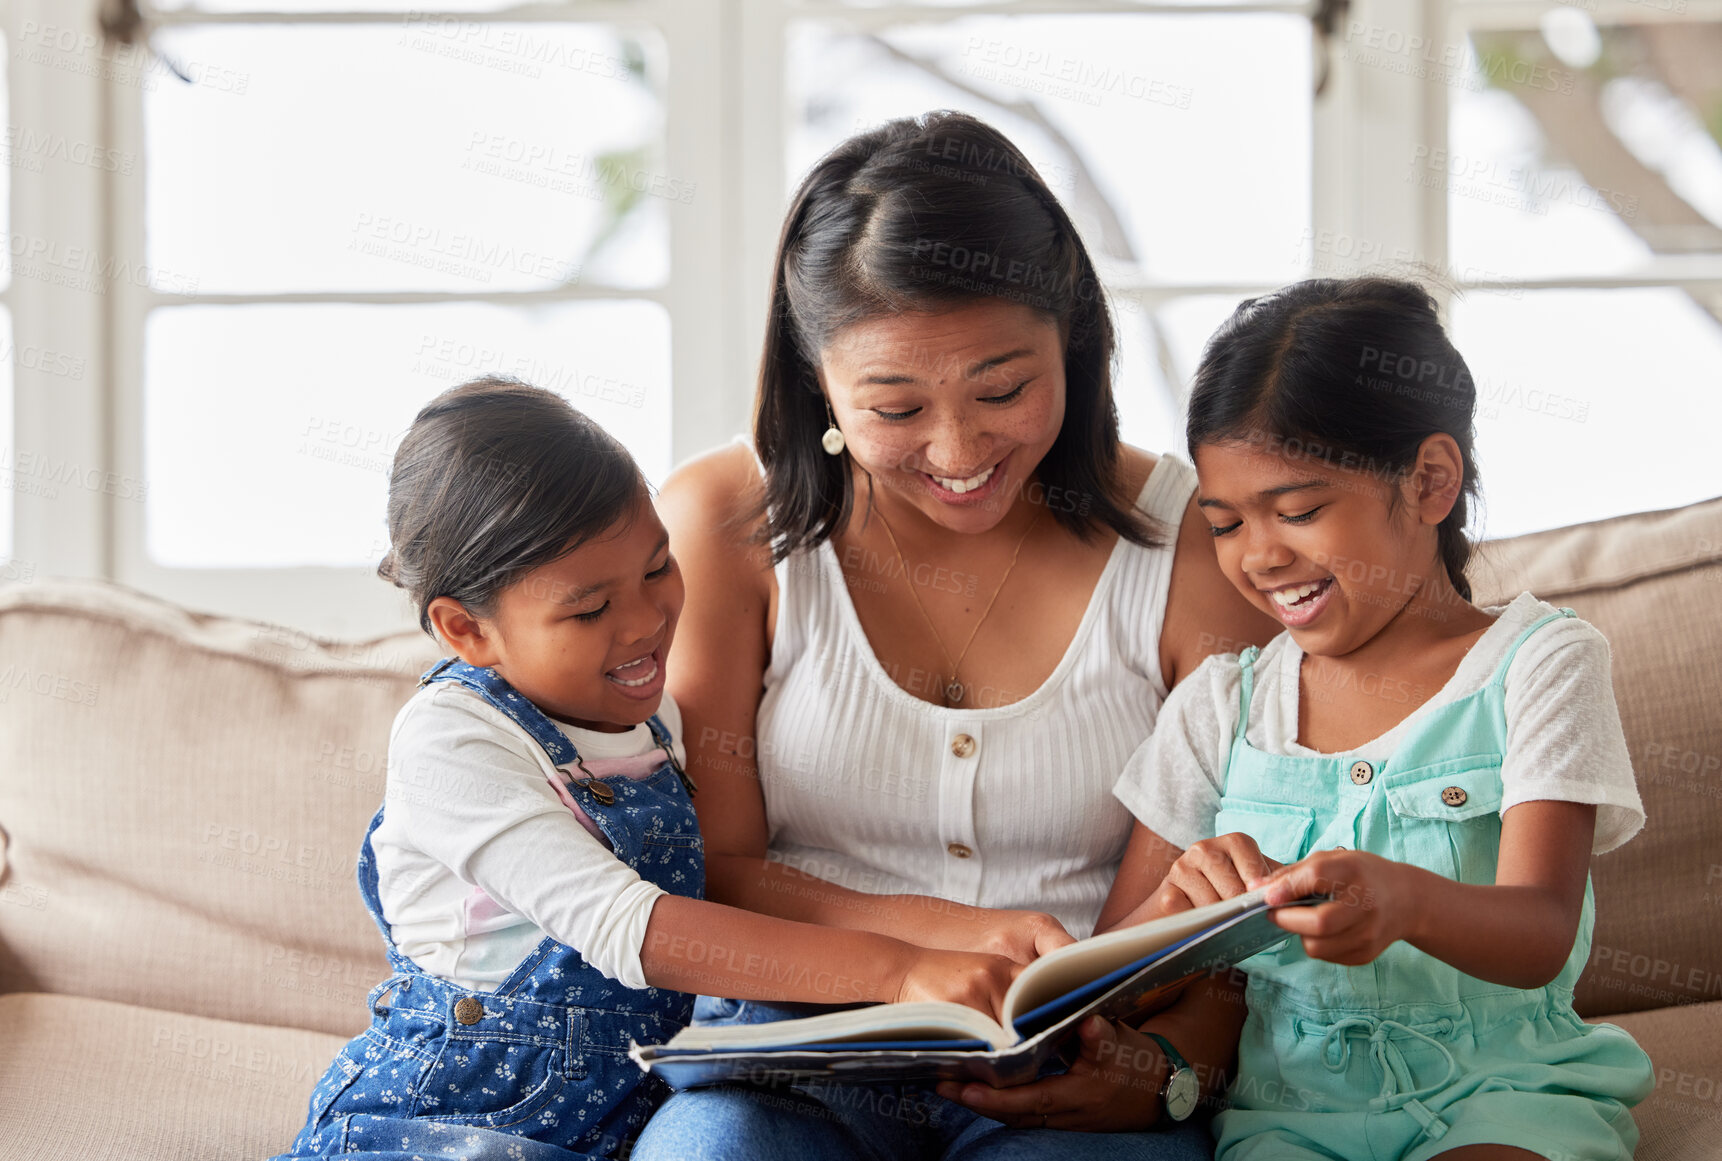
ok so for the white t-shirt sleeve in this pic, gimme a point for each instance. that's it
(1172, 783)
(1564, 740)
(469, 790)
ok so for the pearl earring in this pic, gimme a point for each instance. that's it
(832, 440)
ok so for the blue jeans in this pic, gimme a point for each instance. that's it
(825, 1121)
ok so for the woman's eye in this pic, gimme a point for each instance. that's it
(1008, 395)
(663, 569)
(894, 416)
(594, 614)
(1303, 517)
(1222, 531)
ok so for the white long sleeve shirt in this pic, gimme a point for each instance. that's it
(479, 858)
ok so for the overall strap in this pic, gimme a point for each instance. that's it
(1247, 668)
(494, 688)
(491, 686)
(1500, 676)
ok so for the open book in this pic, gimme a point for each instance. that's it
(1122, 975)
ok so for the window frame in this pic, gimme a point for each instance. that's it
(726, 126)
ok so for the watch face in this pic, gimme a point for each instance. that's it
(1182, 1092)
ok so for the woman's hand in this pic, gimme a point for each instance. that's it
(1113, 1087)
(1022, 936)
(961, 977)
(1209, 871)
(1375, 903)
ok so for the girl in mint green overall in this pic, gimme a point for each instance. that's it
(1444, 772)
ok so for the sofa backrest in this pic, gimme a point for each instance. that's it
(1652, 582)
(182, 799)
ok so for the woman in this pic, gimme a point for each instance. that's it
(927, 625)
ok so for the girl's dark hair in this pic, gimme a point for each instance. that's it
(925, 213)
(1356, 372)
(493, 479)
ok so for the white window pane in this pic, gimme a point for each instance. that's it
(403, 6)
(269, 430)
(817, 5)
(26, 151)
(1591, 403)
(419, 155)
(1159, 348)
(1578, 150)
(1196, 129)
(13, 479)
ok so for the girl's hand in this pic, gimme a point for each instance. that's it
(1375, 903)
(1113, 1087)
(1209, 871)
(962, 977)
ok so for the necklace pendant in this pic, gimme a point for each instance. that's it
(954, 691)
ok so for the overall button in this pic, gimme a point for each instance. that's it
(959, 850)
(468, 1010)
(1454, 796)
(1362, 772)
(962, 745)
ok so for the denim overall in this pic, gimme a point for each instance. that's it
(536, 1070)
(1407, 1057)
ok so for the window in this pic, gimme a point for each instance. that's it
(1580, 173)
(345, 213)
(262, 274)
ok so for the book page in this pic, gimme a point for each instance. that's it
(1063, 971)
(918, 1020)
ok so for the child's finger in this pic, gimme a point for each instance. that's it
(1293, 882)
(1344, 949)
(1323, 919)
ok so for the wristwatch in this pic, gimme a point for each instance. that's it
(1181, 1090)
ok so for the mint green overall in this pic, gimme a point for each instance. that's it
(1407, 1057)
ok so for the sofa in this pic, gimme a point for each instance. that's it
(182, 947)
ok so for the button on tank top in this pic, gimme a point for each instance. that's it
(1010, 806)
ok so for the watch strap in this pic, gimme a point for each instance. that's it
(1181, 1103)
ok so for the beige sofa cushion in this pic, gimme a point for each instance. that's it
(1682, 1119)
(91, 1080)
(182, 799)
(1653, 584)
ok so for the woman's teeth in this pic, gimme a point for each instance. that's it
(1289, 597)
(617, 674)
(968, 485)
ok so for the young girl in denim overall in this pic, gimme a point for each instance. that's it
(536, 867)
(1444, 771)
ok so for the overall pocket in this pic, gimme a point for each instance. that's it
(494, 1084)
(1280, 829)
(342, 1072)
(1445, 818)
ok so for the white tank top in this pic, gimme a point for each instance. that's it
(869, 787)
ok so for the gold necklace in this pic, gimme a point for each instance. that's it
(953, 688)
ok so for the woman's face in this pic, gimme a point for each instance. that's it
(951, 412)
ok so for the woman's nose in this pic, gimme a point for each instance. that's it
(956, 446)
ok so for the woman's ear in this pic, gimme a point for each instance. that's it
(1436, 478)
(472, 641)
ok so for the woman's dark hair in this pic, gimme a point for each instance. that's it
(1356, 372)
(922, 214)
(493, 479)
